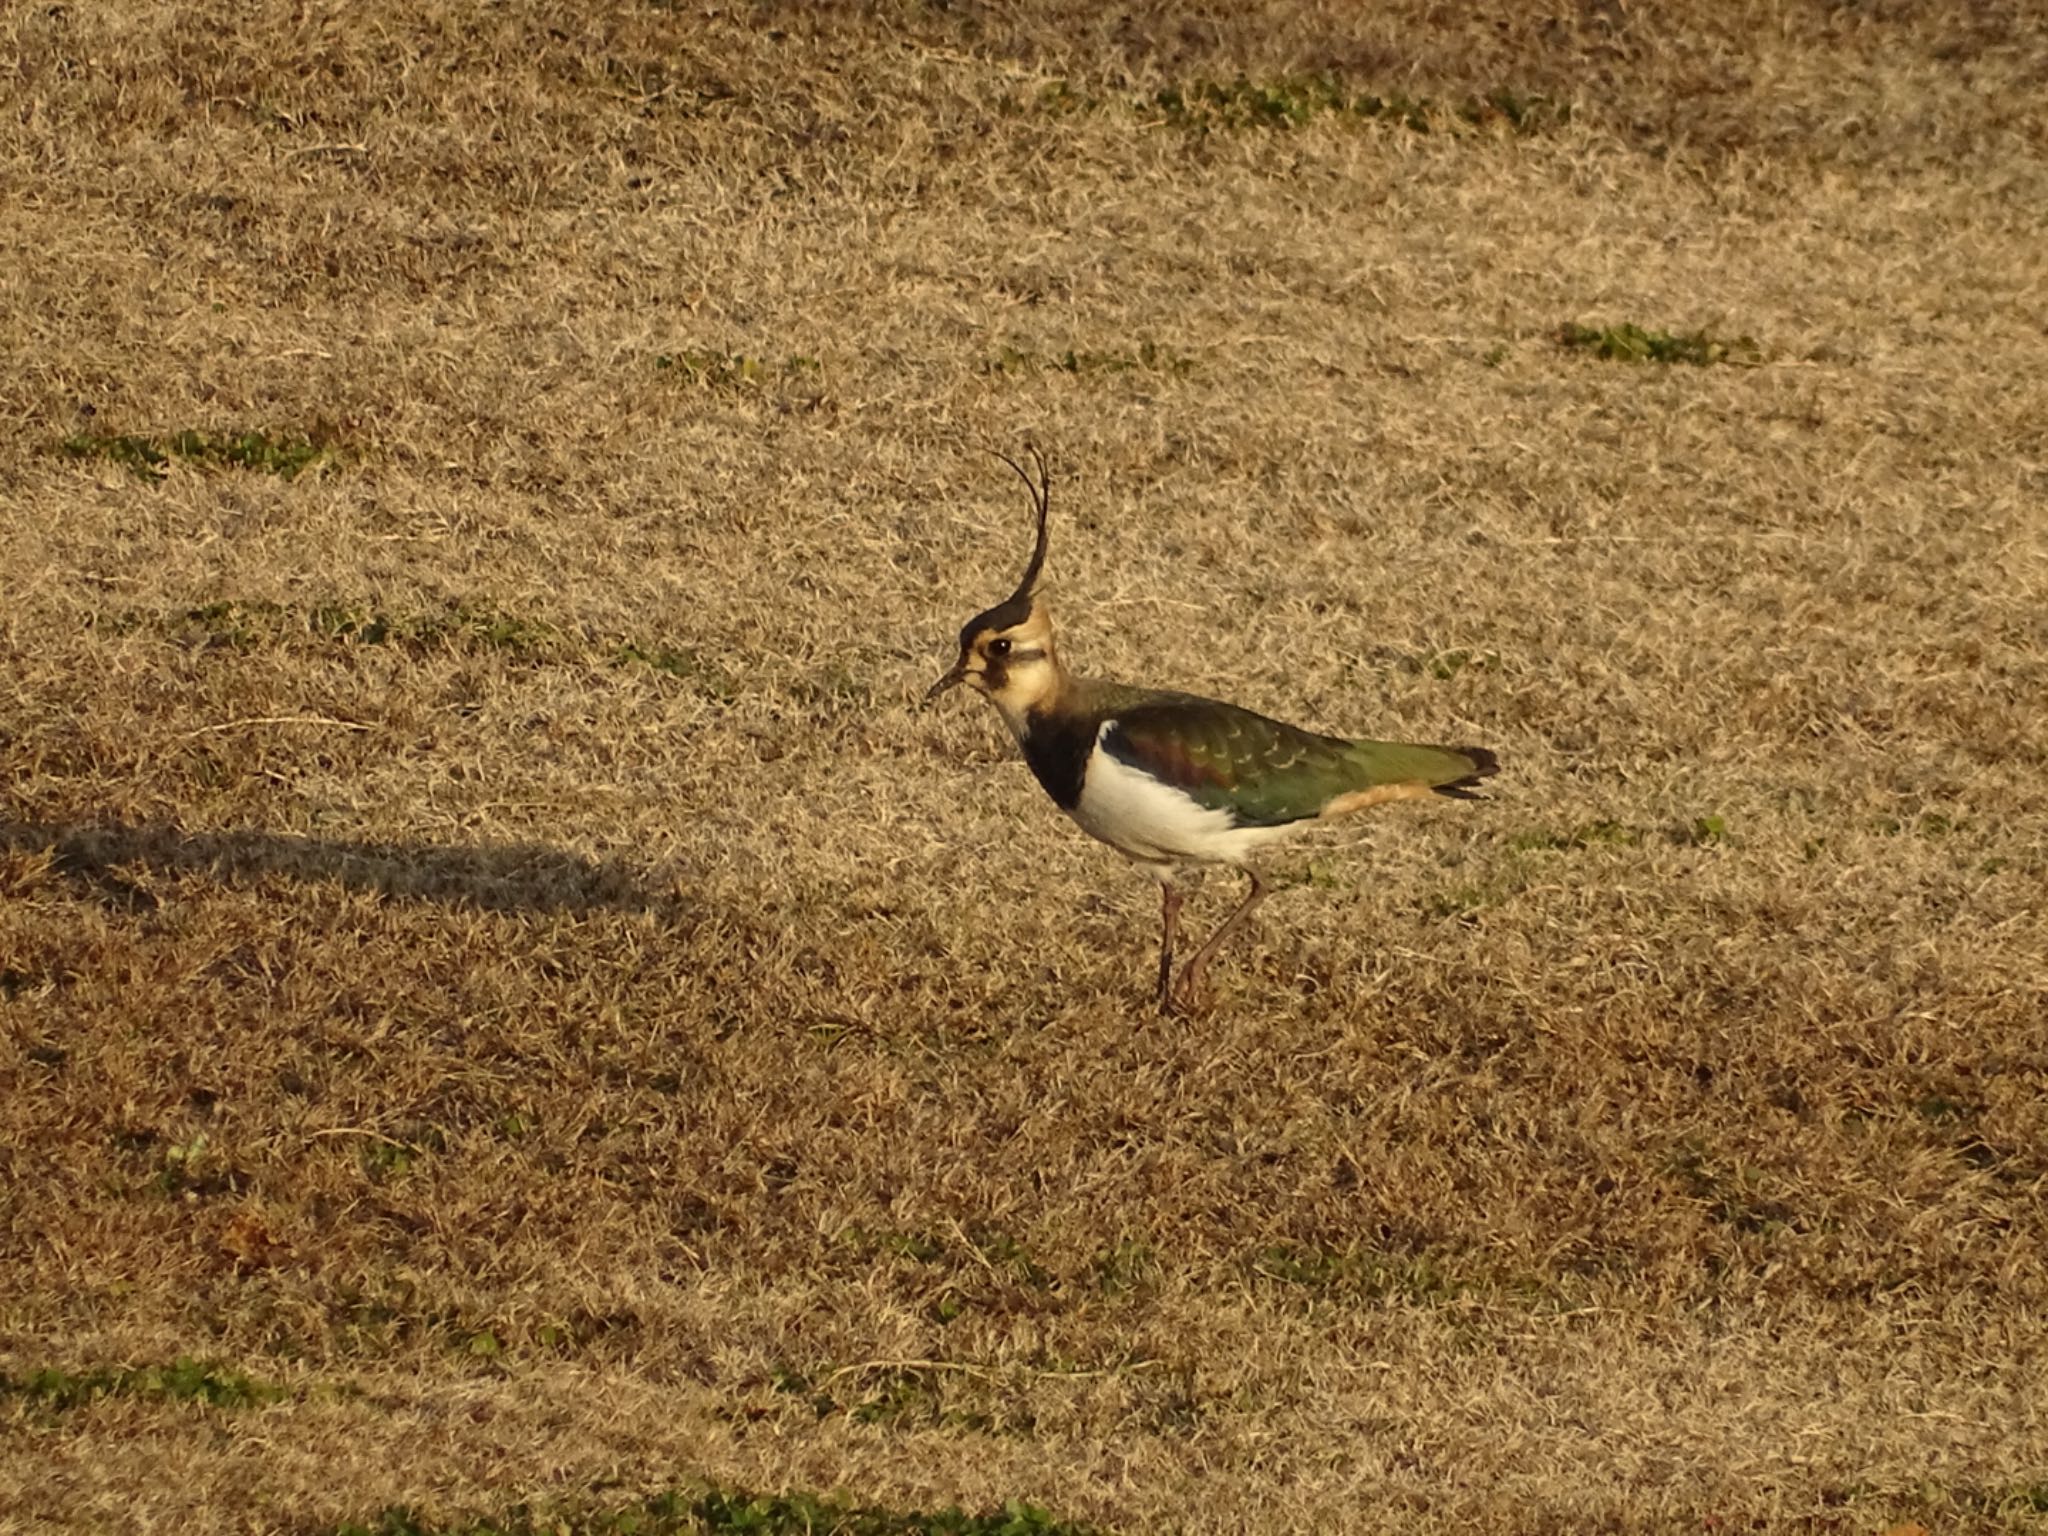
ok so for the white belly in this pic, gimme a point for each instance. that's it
(1156, 823)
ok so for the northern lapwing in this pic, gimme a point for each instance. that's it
(1172, 780)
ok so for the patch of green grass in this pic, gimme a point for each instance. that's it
(1524, 114)
(384, 1161)
(463, 625)
(1286, 102)
(2032, 1498)
(183, 1164)
(391, 1157)
(1322, 874)
(909, 1395)
(1061, 98)
(1931, 825)
(1445, 665)
(1440, 665)
(349, 621)
(797, 1384)
(1290, 101)
(1591, 834)
(1207, 104)
(244, 624)
(1940, 1109)
(833, 689)
(1125, 1268)
(902, 1399)
(1458, 901)
(373, 1318)
(1005, 1252)
(1732, 1195)
(581, 1328)
(1148, 358)
(459, 623)
(1701, 832)
(184, 1380)
(150, 457)
(232, 623)
(728, 1512)
(483, 1344)
(284, 457)
(732, 370)
(499, 631)
(1630, 343)
(141, 455)
(917, 1247)
(686, 665)
(190, 1169)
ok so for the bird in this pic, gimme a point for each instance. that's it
(1171, 780)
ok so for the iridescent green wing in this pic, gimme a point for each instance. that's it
(1265, 772)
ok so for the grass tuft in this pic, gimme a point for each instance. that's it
(1292, 101)
(2030, 1498)
(733, 370)
(917, 1247)
(184, 1380)
(1732, 1193)
(1701, 832)
(1129, 1266)
(464, 625)
(1149, 357)
(1630, 343)
(1591, 834)
(150, 457)
(677, 662)
(1357, 1272)
(728, 1512)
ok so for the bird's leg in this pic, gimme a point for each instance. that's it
(1190, 990)
(1169, 915)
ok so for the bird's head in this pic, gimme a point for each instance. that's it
(1006, 651)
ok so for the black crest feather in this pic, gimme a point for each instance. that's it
(1041, 499)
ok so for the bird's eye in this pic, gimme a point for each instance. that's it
(999, 647)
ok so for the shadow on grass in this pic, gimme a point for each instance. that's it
(115, 859)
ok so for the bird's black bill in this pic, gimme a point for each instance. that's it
(951, 680)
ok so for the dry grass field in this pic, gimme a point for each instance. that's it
(505, 1006)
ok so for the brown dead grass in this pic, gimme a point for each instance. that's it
(588, 1034)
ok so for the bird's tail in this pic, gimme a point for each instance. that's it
(1483, 765)
(1452, 771)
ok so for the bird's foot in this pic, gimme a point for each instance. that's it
(1186, 998)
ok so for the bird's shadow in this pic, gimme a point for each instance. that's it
(111, 857)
